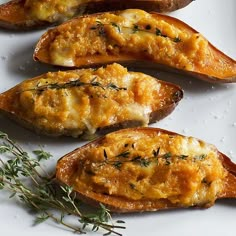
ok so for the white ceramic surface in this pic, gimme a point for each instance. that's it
(207, 112)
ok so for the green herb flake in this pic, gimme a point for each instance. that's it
(158, 32)
(148, 27)
(135, 28)
(177, 40)
(143, 162)
(200, 157)
(105, 154)
(167, 155)
(124, 154)
(42, 155)
(156, 152)
(117, 164)
(183, 157)
(132, 186)
(93, 27)
(117, 26)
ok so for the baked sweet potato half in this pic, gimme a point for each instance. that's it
(89, 101)
(26, 14)
(148, 169)
(134, 36)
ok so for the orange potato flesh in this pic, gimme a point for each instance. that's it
(180, 48)
(85, 170)
(87, 102)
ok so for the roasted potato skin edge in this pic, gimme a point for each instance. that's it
(25, 23)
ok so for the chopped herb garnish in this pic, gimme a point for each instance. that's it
(117, 164)
(124, 154)
(200, 157)
(132, 185)
(113, 86)
(117, 26)
(93, 27)
(177, 40)
(135, 28)
(156, 152)
(167, 155)
(143, 162)
(99, 22)
(183, 157)
(205, 181)
(100, 27)
(158, 32)
(105, 154)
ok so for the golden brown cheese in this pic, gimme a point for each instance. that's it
(81, 101)
(135, 34)
(52, 10)
(135, 166)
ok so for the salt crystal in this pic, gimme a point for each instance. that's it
(21, 68)
(222, 139)
(185, 130)
(4, 58)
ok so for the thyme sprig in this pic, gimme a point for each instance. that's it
(76, 83)
(24, 178)
(127, 157)
(135, 28)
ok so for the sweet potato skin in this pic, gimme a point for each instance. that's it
(68, 164)
(147, 5)
(141, 61)
(7, 99)
(13, 14)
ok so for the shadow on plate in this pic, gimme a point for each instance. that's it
(25, 136)
(22, 63)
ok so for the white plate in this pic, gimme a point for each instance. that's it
(207, 112)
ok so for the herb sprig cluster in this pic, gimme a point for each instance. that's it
(76, 83)
(24, 178)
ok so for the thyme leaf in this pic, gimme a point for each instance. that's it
(135, 28)
(42, 155)
(200, 157)
(124, 154)
(117, 26)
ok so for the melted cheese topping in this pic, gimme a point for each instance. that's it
(134, 34)
(137, 166)
(53, 10)
(53, 103)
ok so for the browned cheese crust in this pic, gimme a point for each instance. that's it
(90, 101)
(134, 36)
(148, 169)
